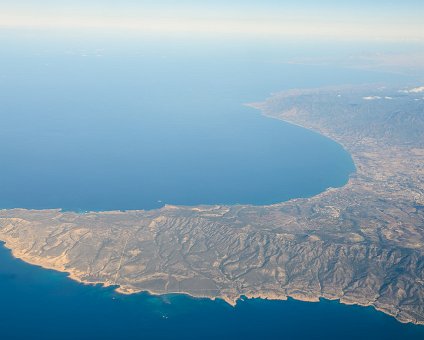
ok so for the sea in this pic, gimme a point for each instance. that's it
(119, 124)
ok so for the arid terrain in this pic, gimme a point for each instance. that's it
(361, 244)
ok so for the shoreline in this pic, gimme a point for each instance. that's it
(254, 106)
(232, 302)
(231, 299)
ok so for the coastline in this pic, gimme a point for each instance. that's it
(232, 296)
(72, 275)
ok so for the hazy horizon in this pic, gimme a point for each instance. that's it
(346, 20)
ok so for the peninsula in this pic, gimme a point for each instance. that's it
(361, 244)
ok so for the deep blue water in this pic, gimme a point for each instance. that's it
(43, 304)
(104, 128)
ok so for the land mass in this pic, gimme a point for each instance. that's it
(361, 244)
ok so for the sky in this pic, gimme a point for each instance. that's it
(384, 20)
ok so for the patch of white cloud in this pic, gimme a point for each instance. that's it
(371, 98)
(419, 89)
